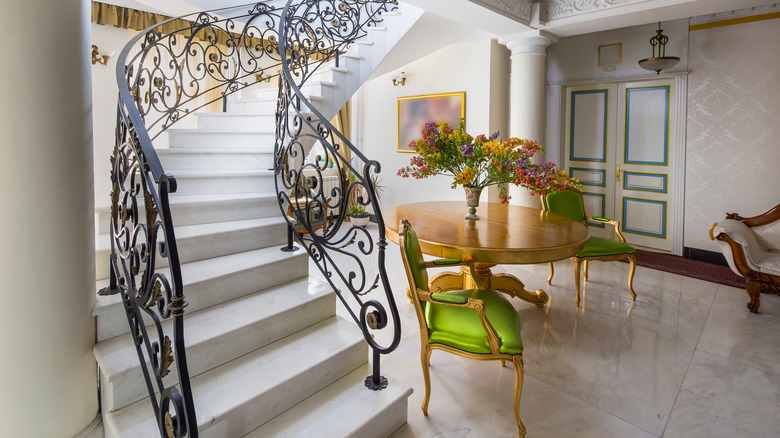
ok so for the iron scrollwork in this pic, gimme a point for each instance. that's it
(166, 73)
(312, 34)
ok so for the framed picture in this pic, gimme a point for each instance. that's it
(610, 54)
(415, 111)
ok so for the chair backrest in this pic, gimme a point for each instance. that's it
(412, 255)
(567, 202)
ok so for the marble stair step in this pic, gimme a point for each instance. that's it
(264, 105)
(312, 87)
(212, 182)
(217, 335)
(344, 409)
(204, 209)
(213, 281)
(177, 159)
(216, 138)
(205, 241)
(235, 121)
(237, 397)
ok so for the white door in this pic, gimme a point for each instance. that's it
(646, 135)
(620, 142)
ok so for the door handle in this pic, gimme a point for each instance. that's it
(617, 173)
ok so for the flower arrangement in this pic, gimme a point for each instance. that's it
(482, 161)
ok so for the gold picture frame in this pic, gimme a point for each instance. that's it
(611, 54)
(415, 111)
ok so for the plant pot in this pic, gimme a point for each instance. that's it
(360, 221)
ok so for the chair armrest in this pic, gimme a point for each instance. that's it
(445, 299)
(443, 262)
(441, 297)
(612, 222)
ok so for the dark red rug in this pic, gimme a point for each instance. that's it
(689, 268)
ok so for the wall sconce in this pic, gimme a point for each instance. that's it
(659, 61)
(399, 79)
(100, 56)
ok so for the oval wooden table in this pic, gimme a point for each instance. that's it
(504, 234)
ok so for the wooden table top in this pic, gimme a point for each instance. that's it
(504, 234)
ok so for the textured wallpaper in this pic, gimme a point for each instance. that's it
(733, 132)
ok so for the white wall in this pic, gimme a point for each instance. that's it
(104, 96)
(576, 58)
(733, 146)
(480, 68)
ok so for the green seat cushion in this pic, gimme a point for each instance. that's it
(597, 247)
(460, 327)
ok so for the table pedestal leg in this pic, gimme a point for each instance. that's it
(505, 283)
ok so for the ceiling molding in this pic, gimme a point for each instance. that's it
(556, 9)
(518, 10)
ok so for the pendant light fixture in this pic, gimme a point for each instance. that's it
(659, 61)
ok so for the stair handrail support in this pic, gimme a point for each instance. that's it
(313, 33)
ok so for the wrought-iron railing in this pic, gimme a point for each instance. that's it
(313, 35)
(166, 74)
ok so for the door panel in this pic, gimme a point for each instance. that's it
(618, 141)
(589, 141)
(644, 197)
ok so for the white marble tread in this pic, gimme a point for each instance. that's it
(237, 397)
(178, 159)
(203, 209)
(213, 281)
(345, 408)
(211, 339)
(216, 173)
(204, 241)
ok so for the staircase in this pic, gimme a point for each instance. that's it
(266, 352)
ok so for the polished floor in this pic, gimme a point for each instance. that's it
(685, 360)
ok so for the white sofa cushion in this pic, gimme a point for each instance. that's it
(760, 258)
(769, 235)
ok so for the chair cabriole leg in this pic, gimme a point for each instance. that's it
(517, 361)
(632, 268)
(425, 357)
(577, 263)
(584, 270)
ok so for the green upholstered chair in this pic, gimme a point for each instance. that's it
(477, 323)
(569, 203)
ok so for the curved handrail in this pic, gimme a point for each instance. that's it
(313, 33)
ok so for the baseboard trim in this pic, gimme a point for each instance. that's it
(705, 256)
(94, 429)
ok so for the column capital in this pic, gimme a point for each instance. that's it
(533, 42)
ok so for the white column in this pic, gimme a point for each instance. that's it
(527, 95)
(47, 374)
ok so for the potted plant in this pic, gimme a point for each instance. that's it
(358, 215)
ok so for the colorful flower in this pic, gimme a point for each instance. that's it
(482, 161)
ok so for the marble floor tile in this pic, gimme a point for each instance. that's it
(724, 398)
(732, 332)
(610, 368)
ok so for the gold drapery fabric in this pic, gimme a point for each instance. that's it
(128, 18)
(343, 122)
